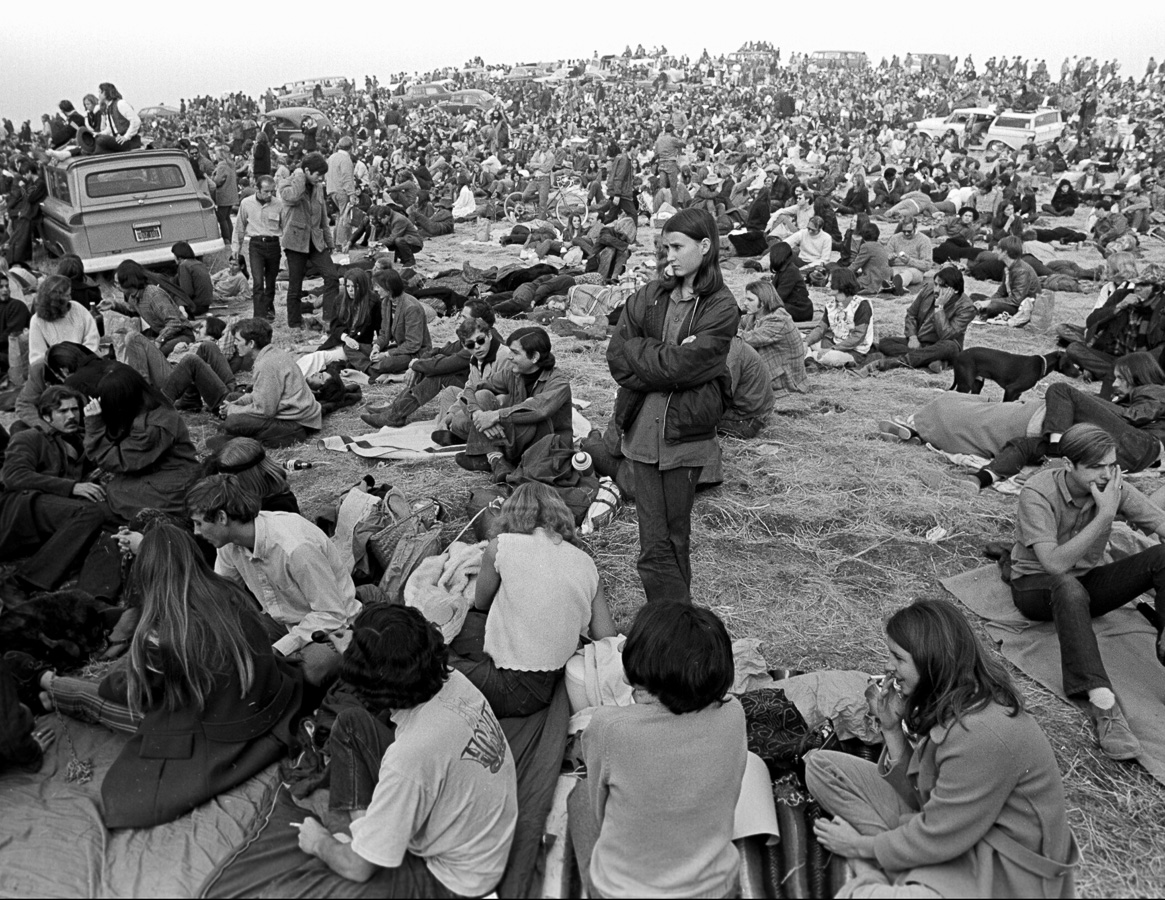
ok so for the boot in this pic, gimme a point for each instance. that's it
(397, 415)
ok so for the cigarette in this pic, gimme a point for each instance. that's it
(296, 824)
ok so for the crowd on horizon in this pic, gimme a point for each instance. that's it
(231, 601)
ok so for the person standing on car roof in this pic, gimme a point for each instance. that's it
(119, 123)
(307, 237)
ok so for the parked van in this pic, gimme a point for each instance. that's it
(116, 206)
(1014, 129)
(838, 59)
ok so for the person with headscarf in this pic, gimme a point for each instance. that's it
(789, 282)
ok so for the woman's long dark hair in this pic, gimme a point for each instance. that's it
(956, 676)
(124, 396)
(698, 224)
(191, 632)
(355, 311)
(64, 359)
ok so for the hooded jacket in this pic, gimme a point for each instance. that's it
(789, 283)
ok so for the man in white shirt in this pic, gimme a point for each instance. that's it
(119, 123)
(286, 562)
(259, 225)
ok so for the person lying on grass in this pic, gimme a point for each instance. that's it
(966, 800)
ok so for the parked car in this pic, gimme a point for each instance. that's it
(116, 206)
(425, 94)
(288, 122)
(979, 117)
(837, 59)
(1014, 129)
(469, 102)
(304, 90)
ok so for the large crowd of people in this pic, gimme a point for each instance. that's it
(813, 172)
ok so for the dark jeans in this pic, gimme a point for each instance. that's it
(509, 692)
(318, 262)
(1097, 363)
(107, 143)
(264, 255)
(193, 372)
(69, 526)
(663, 503)
(515, 440)
(1072, 602)
(1065, 406)
(940, 351)
(405, 254)
(998, 305)
(270, 432)
(955, 248)
(453, 301)
(226, 223)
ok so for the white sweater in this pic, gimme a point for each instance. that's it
(75, 325)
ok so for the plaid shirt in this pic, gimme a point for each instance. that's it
(777, 339)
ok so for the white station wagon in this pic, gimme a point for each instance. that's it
(116, 206)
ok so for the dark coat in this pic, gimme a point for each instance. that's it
(695, 375)
(790, 284)
(179, 760)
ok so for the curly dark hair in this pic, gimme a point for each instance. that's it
(53, 298)
(397, 658)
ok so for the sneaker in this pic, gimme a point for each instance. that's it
(1116, 740)
(475, 463)
(901, 431)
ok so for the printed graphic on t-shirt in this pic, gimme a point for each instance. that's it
(487, 746)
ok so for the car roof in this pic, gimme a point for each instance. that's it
(297, 111)
(1029, 112)
(97, 159)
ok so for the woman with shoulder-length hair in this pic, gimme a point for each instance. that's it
(207, 700)
(58, 318)
(967, 799)
(132, 431)
(668, 356)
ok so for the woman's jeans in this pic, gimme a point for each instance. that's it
(509, 692)
(663, 502)
(1072, 602)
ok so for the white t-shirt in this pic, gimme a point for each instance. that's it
(447, 793)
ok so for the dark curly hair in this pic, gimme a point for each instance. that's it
(397, 658)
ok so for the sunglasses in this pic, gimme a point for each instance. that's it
(478, 341)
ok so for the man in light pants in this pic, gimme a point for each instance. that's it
(341, 186)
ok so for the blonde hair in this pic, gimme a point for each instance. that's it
(535, 505)
(765, 293)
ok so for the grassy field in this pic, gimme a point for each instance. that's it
(816, 535)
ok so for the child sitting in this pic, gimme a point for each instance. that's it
(536, 593)
(654, 817)
(230, 283)
(770, 329)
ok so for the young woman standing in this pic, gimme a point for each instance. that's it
(668, 357)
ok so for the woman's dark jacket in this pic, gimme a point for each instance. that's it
(179, 760)
(790, 284)
(694, 375)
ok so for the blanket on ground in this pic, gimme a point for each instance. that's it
(1126, 642)
(272, 865)
(53, 842)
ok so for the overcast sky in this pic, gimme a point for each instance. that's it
(159, 53)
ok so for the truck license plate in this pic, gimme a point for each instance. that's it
(149, 232)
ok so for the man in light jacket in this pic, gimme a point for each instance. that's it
(341, 185)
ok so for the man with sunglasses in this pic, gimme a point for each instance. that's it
(259, 224)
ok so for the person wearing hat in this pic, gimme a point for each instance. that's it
(708, 195)
(340, 182)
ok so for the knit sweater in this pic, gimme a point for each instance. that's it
(75, 325)
(280, 391)
(664, 789)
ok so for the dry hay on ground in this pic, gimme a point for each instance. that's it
(816, 535)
